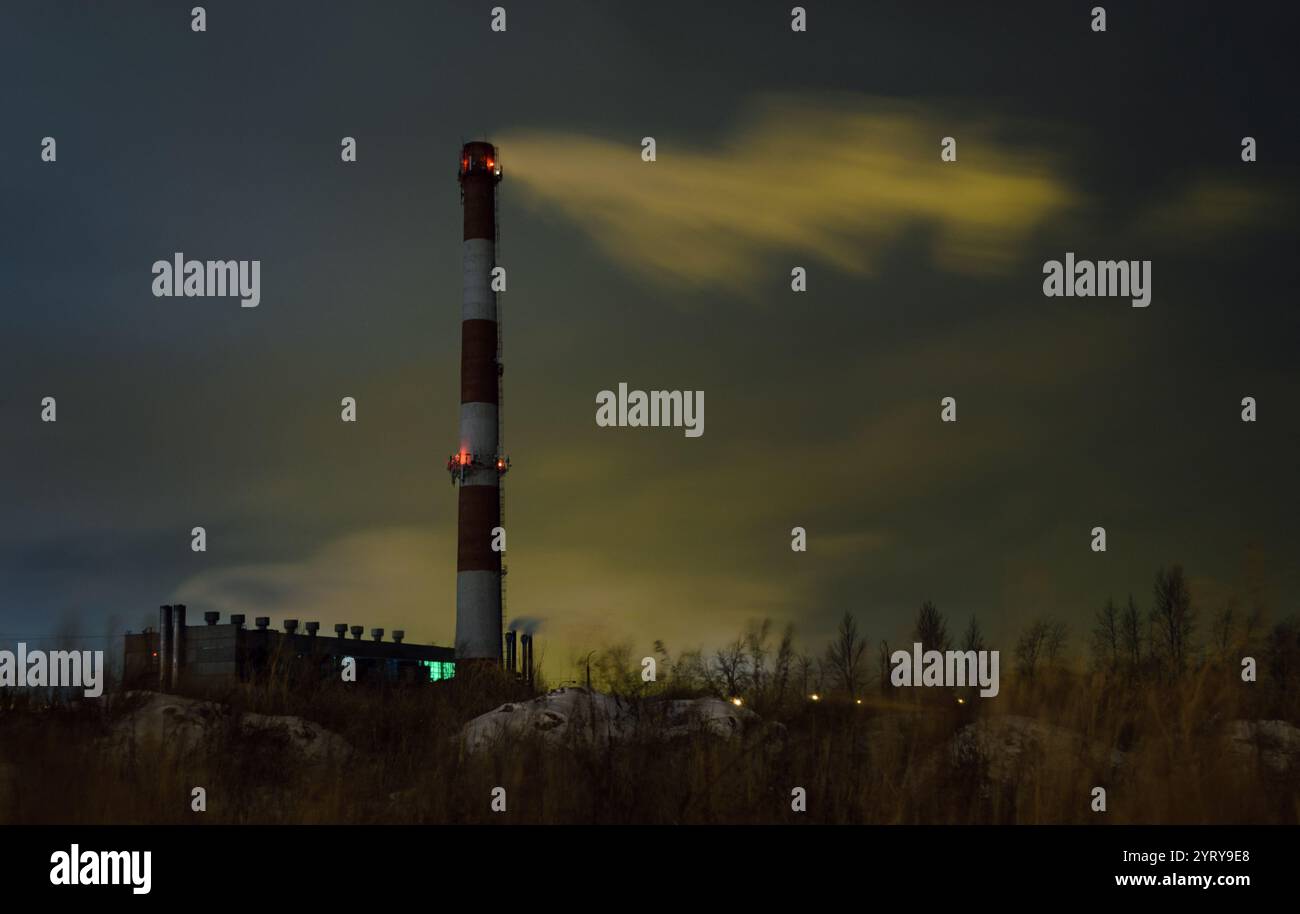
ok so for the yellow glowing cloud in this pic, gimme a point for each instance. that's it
(1208, 208)
(397, 577)
(829, 182)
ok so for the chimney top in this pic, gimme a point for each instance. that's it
(211, 617)
(341, 629)
(237, 619)
(377, 634)
(262, 621)
(398, 635)
(312, 628)
(358, 631)
(290, 625)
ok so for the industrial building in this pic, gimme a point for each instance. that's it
(177, 657)
(180, 657)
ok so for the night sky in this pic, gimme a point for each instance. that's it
(775, 150)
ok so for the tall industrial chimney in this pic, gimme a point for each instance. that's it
(478, 465)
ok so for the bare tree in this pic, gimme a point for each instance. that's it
(613, 670)
(844, 655)
(1254, 623)
(689, 670)
(1106, 637)
(884, 666)
(1058, 633)
(756, 635)
(729, 662)
(1282, 652)
(1223, 628)
(1029, 648)
(931, 630)
(783, 665)
(1130, 630)
(1173, 618)
(768, 686)
(686, 673)
(804, 664)
(973, 639)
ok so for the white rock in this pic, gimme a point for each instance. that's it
(179, 725)
(1274, 743)
(596, 719)
(1009, 745)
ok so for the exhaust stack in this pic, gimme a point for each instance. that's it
(526, 652)
(164, 648)
(178, 644)
(478, 464)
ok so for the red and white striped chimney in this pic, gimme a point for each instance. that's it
(478, 465)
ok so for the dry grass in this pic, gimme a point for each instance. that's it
(884, 761)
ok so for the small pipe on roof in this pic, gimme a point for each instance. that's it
(164, 648)
(178, 644)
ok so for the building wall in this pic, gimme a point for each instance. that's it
(219, 656)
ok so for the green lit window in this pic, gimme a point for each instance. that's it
(439, 669)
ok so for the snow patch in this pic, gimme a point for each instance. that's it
(1275, 744)
(596, 719)
(180, 725)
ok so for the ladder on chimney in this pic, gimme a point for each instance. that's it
(501, 426)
